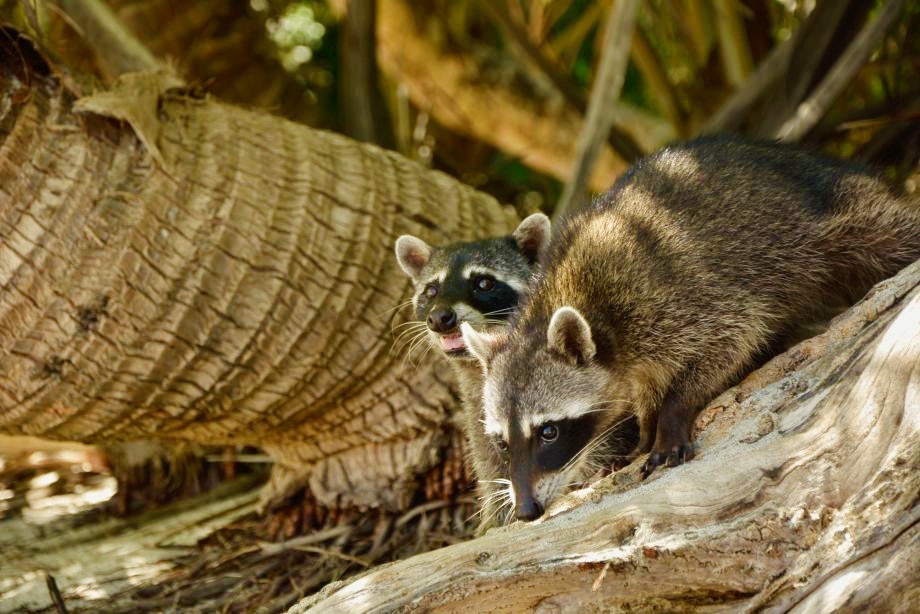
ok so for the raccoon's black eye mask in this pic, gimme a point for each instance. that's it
(556, 443)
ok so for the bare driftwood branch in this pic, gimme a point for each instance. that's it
(845, 68)
(803, 496)
(618, 32)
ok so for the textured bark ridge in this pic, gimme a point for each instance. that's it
(230, 282)
(803, 497)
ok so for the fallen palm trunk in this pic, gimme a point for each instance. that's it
(198, 272)
(804, 494)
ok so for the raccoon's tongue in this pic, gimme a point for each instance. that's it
(452, 343)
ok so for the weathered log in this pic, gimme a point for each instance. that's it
(804, 496)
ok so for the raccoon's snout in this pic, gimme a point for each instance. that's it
(528, 508)
(442, 320)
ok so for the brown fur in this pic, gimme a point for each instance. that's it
(699, 260)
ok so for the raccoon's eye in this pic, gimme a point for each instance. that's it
(549, 433)
(502, 445)
(431, 291)
(484, 282)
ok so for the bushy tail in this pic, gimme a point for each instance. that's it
(875, 232)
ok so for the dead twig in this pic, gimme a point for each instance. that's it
(271, 549)
(56, 597)
(334, 553)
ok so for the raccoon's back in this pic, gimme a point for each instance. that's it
(720, 237)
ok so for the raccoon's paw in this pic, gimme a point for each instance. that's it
(676, 455)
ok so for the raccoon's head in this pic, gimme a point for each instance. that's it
(546, 407)
(477, 283)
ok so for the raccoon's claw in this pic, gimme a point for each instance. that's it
(677, 455)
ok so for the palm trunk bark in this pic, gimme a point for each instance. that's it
(205, 273)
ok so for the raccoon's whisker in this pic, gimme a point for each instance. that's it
(488, 519)
(473, 516)
(422, 356)
(600, 440)
(412, 360)
(602, 405)
(503, 311)
(503, 498)
(414, 344)
(408, 323)
(407, 333)
(496, 481)
(417, 360)
(413, 329)
(592, 445)
(492, 498)
(507, 509)
(392, 309)
(403, 342)
(498, 312)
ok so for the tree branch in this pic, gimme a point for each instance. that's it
(733, 43)
(734, 111)
(621, 142)
(618, 32)
(816, 105)
(366, 117)
(814, 37)
(117, 50)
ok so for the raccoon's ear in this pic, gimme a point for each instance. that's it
(412, 254)
(569, 334)
(481, 345)
(532, 236)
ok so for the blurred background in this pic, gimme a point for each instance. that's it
(494, 92)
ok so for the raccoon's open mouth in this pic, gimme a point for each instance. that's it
(453, 343)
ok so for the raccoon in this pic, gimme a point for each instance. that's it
(478, 284)
(664, 291)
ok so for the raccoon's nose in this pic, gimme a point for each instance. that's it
(528, 509)
(442, 320)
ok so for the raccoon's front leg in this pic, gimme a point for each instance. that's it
(672, 445)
